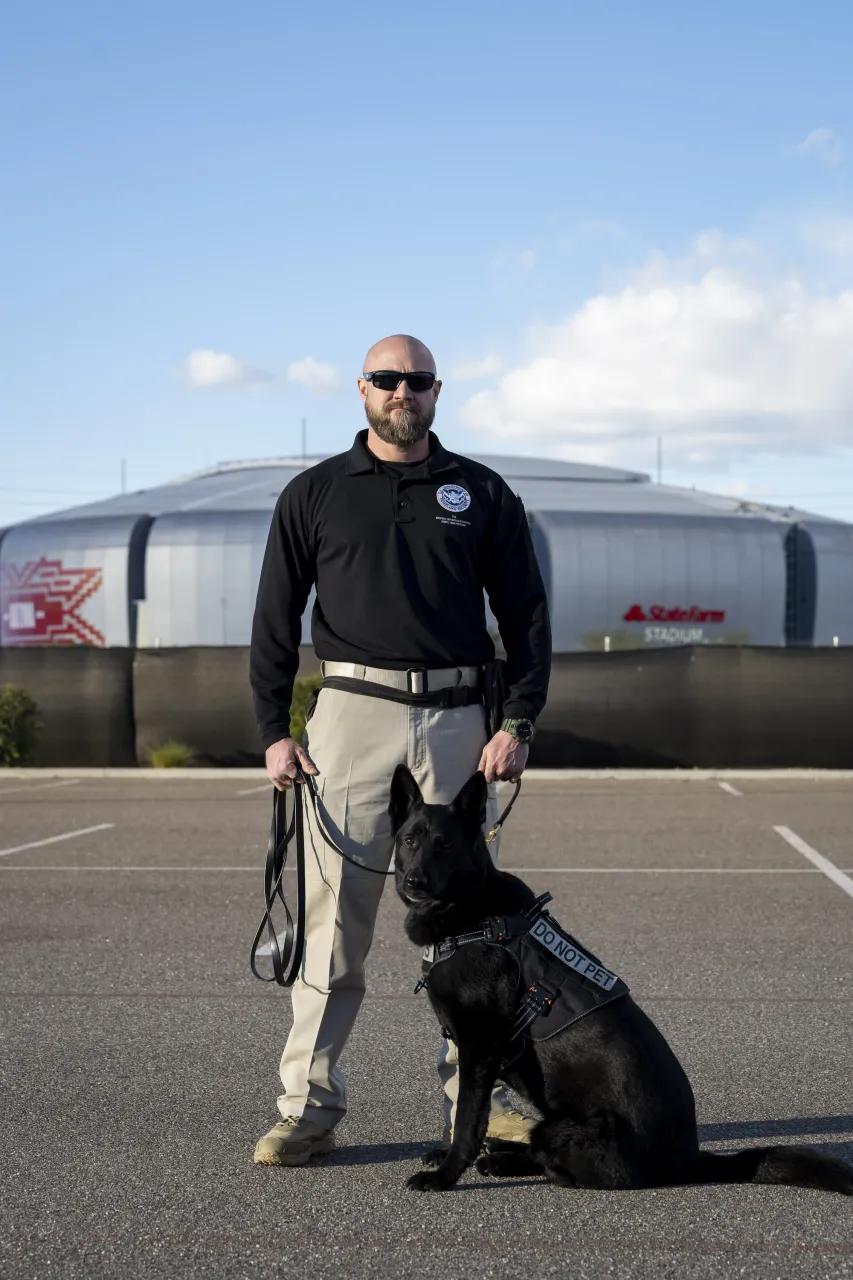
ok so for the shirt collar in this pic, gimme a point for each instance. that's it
(361, 461)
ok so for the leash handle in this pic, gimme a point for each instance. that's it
(287, 958)
(286, 953)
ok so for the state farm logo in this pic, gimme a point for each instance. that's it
(660, 613)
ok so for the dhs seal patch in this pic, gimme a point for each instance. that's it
(454, 498)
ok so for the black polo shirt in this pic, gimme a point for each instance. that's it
(400, 563)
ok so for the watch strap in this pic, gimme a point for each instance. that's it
(511, 726)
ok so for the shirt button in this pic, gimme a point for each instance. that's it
(404, 503)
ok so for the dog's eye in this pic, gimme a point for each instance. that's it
(411, 841)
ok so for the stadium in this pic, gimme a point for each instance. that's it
(627, 563)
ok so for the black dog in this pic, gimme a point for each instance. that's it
(618, 1108)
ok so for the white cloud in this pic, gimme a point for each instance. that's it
(723, 363)
(824, 144)
(470, 372)
(314, 375)
(206, 368)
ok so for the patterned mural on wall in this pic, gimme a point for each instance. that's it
(41, 603)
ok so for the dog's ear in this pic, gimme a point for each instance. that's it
(405, 796)
(470, 803)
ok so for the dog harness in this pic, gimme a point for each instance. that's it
(559, 981)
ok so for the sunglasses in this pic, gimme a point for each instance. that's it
(390, 379)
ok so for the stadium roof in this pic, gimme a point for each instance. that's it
(544, 484)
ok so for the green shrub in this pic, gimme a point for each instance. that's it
(170, 755)
(303, 690)
(19, 725)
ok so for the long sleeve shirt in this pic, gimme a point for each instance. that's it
(400, 564)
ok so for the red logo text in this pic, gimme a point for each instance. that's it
(660, 613)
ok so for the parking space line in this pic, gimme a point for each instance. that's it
(549, 871)
(255, 791)
(823, 864)
(66, 835)
(732, 791)
(42, 786)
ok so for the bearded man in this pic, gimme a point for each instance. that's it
(401, 539)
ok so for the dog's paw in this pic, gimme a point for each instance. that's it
(432, 1159)
(427, 1181)
(484, 1166)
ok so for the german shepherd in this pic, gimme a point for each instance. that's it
(618, 1110)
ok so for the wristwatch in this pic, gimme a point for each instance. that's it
(522, 730)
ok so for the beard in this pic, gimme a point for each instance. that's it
(401, 426)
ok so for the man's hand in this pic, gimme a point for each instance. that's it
(503, 757)
(281, 760)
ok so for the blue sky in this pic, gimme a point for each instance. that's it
(609, 222)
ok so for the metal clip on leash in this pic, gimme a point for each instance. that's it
(502, 819)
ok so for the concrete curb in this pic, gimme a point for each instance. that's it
(531, 775)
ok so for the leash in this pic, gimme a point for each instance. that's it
(286, 962)
(286, 956)
(502, 819)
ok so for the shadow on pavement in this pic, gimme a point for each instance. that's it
(377, 1153)
(791, 1128)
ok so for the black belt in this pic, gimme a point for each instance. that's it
(456, 696)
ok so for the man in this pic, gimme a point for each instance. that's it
(401, 538)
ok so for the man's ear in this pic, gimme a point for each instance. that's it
(470, 803)
(405, 796)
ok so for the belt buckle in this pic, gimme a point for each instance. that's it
(417, 680)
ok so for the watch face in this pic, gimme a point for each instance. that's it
(524, 730)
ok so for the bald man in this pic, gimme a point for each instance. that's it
(401, 539)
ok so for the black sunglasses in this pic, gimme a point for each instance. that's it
(390, 379)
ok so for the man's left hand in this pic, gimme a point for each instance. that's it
(503, 757)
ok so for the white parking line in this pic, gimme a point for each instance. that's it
(549, 871)
(823, 864)
(42, 786)
(254, 791)
(733, 791)
(66, 835)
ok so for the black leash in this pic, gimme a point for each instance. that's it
(502, 819)
(285, 964)
(287, 957)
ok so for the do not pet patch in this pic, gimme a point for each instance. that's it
(571, 955)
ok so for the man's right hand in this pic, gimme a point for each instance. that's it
(282, 759)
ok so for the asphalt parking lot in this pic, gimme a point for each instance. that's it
(138, 1059)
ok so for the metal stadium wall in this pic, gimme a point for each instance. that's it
(628, 564)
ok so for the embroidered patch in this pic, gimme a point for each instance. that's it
(571, 955)
(453, 497)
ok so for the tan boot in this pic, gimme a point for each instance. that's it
(509, 1126)
(293, 1142)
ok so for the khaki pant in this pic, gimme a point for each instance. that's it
(356, 742)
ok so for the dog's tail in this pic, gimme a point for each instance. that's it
(782, 1166)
